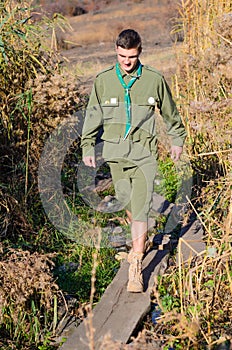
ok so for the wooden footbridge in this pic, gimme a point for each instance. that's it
(119, 313)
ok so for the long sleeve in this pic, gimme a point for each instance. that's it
(170, 114)
(92, 123)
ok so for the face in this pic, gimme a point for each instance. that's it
(127, 58)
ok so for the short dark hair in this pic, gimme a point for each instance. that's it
(129, 39)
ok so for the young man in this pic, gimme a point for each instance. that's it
(123, 101)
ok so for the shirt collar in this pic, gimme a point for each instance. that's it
(132, 74)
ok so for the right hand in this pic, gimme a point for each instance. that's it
(89, 161)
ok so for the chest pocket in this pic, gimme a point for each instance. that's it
(147, 101)
(110, 107)
(113, 122)
(143, 110)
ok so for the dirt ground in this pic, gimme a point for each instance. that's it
(89, 46)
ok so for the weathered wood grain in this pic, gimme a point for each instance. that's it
(118, 313)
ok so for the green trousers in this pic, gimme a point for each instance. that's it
(134, 185)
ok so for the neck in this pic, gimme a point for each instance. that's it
(132, 70)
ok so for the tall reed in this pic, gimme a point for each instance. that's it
(199, 291)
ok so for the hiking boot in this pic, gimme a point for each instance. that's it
(147, 247)
(135, 283)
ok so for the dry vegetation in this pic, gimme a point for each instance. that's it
(27, 292)
(201, 292)
(37, 92)
(30, 110)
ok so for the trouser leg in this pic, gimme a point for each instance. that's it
(134, 188)
(122, 185)
(142, 180)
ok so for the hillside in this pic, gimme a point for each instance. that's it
(89, 46)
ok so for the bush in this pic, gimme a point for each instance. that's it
(27, 295)
(36, 95)
(196, 297)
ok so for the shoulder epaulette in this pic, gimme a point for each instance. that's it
(105, 70)
(153, 70)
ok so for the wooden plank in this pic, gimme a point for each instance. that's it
(191, 242)
(118, 313)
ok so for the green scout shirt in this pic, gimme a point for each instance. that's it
(106, 109)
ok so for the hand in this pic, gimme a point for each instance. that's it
(176, 152)
(89, 161)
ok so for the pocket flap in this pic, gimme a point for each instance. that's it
(145, 100)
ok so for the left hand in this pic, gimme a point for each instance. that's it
(176, 152)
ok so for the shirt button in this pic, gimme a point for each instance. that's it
(151, 100)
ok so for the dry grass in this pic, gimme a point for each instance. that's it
(203, 85)
(141, 17)
(203, 311)
(24, 275)
(27, 294)
(27, 289)
(89, 51)
(163, 60)
(202, 289)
